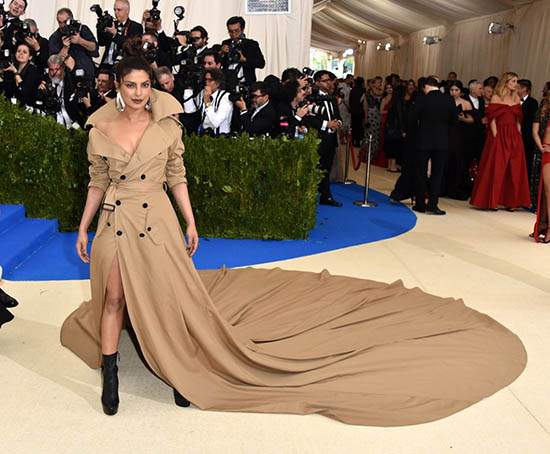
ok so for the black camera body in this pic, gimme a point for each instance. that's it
(154, 12)
(235, 49)
(22, 31)
(150, 51)
(6, 59)
(84, 86)
(104, 19)
(47, 99)
(72, 28)
(241, 91)
(308, 72)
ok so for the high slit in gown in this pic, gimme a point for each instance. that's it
(273, 341)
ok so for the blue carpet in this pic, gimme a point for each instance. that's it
(336, 228)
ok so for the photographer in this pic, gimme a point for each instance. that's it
(114, 36)
(38, 44)
(211, 60)
(169, 83)
(327, 123)
(12, 23)
(213, 103)
(104, 91)
(293, 109)
(22, 77)
(240, 55)
(262, 118)
(152, 53)
(75, 40)
(56, 92)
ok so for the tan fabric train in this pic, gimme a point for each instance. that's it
(274, 341)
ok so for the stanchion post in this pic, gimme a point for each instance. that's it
(365, 202)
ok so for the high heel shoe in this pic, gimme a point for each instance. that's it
(109, 396)
(546, 238)
(180, 400)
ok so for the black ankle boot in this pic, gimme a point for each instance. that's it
(180, 400)
(109, 396)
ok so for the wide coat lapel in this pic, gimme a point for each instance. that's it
(154, 141)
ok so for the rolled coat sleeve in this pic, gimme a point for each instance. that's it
(175, 169)
(99, 171)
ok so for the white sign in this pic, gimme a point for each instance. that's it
(268, 7)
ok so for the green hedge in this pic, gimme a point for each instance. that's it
(42, 166)
(239, 188)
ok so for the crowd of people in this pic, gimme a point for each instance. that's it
(484, 141)
(217, 85)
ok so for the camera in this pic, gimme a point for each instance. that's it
(150, 51)
(308, 72)
(104, 19)
(47, 99)
(22, 31)
(241, 91)
(179, 12)
(154, 12)
(72, 28)
(234, 55)
(6, 59)
(313, 109)
(84, 86)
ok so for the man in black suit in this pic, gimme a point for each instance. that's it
(432, 115)
(241, 70)
(474, 143)
(327, 124)
(114, 37)
(15, 10)
(262, 118)
(529, 106)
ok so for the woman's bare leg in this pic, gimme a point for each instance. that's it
(113, 311)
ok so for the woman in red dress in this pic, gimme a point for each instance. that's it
(502, 176)
(541, 130)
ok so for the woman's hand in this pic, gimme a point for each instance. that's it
(546, 148)
(11, 68)
(192, 240)
(82, 247)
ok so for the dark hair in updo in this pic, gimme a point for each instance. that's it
(132, 63)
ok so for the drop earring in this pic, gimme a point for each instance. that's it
(120, 104)
(148, 105)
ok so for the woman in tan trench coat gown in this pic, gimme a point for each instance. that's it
(275, 341)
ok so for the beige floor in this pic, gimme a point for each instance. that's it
(50, 399)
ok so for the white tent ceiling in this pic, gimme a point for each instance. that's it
(341, 23)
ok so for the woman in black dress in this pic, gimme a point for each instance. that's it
(357, 111)
(456, 182)
(394, 128)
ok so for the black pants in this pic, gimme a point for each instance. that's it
(326, 150)
(439, 158)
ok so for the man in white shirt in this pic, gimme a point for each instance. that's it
(213, 103)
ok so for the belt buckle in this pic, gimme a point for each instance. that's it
(107, 207)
